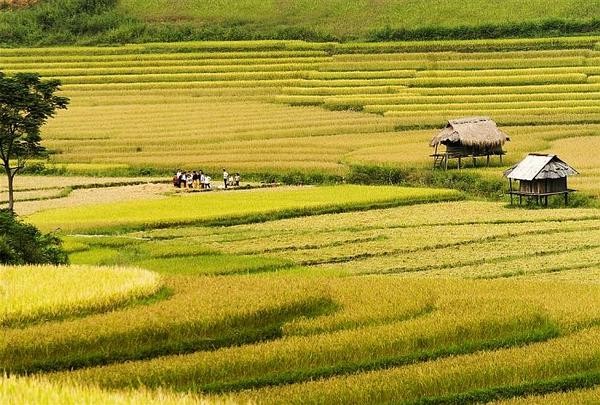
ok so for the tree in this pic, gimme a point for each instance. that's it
(22, 243)
(26, 103)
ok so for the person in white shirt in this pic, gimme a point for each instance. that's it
(225, 177)
(202, 180)
(190, 180)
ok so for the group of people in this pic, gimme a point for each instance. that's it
(198, 180)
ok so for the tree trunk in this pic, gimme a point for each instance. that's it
(11, 191)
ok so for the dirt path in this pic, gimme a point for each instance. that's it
(96, 196)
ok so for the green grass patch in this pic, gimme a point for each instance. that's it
(179, 256)
(219, 264)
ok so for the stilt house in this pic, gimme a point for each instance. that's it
(468, 137)
(540, 176)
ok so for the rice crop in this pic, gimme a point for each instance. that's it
(320, 294)
(499, 80)
(35, 390)
(584, 396)
(455, 378)
(269, 363)
(198, 313)
(523, 82)
(484, 245)
(298, 325)
(29, 293)
(254, 206)
(190, 262)
(419, 322)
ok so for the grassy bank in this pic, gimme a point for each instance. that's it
(125, 21)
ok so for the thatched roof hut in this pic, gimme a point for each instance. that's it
(471, 136)
(540, 176)
(479, 132)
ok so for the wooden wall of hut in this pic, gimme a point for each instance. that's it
(543, 186)
(457, 149)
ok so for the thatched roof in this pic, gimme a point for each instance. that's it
(537, 166)
(480, 132)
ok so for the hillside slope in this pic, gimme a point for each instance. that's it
(358, 18)
(281, 108)
(120, 21)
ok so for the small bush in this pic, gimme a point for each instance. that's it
(21, 243)
(469, 182)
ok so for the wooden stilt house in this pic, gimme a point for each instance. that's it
(468, 137)
(540, 176)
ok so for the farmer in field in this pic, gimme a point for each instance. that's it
(225, 177)
(182, 180)
(177, 179)
(236, 180)
(195, 180)
(190, 180)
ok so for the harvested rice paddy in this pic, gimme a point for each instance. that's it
(35, 193)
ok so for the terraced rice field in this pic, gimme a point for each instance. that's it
(242, 206)
(281, 106)
(465, 301)
(328, 294)
(26, 298)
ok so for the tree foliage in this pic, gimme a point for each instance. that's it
(26, 103)
(22, 243)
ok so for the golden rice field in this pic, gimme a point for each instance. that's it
(29, 294)
(18, 391)
(447, 301)
(281, 106)
(306, 294)
(231, 207)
